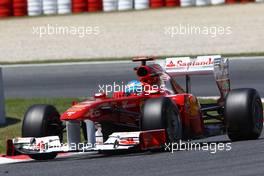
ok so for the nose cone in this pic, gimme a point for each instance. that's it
(76, 112)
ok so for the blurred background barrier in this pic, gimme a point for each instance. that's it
(94, 5)
(172, 3)
(202, 2)
(79, 6)
(52, 7)
(217, 2)
(34, 7)
(238, 1)
(64, 6)
(156, 3)
(125, 4)
(5, 8)
(141, 4)
(245, 1)
(230, 1)
(109, 5)
(187, 3)
(2, 100)
(19, 7)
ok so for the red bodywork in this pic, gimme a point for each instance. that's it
(96, 108)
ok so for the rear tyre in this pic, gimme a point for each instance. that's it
(41, 121)
(162, 113)
(243, 114)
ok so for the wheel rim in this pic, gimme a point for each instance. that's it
(173, 125)
(53, 125)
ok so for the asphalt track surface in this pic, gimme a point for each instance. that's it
(83, 79)
(245, 158)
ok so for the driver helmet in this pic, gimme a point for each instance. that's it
(134, 87)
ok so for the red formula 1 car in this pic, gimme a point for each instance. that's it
(160, 112)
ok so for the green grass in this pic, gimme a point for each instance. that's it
(67, 60)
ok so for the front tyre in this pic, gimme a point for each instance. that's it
(244, 114)
(41, 121)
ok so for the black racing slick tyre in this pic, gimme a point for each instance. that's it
(243, 114)
(162, 113)
(41, 121)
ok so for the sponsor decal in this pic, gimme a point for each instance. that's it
(176, 63)
(70, 113)
(170, 64)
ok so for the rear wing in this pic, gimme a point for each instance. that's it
(201, 65)
(177, 66)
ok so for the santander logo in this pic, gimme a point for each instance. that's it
(184, 63)
(170, 64)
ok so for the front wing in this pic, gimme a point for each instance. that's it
(141, 140)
